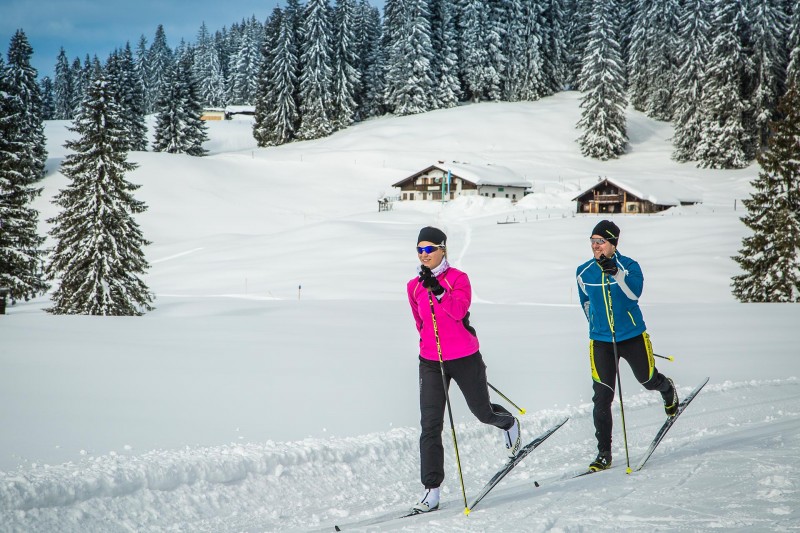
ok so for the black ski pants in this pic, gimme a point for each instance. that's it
(470, 375)
(638, 352)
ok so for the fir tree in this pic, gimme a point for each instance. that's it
(159, 64)
(413, 91)
(246, 64)
(98, 255)
(603, 102)
(127, 87)
(208, 70)
(345, 75)
(179, 129)
(21, 253)
(652, 63)
(444, 61)
(694, 31)
(369, 54)
(553, 47)
(579, 15)
(793, 69)
(770, 257)
(63, 89)
(78, 85)
(514, 50)
(315, 81)
(769, 35)
(723, 138)
(276, 109)
(48, 98)
(474, 60)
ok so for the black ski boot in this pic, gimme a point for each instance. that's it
(602, 462)
(670, 400)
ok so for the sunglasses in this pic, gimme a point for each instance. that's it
(597, 240)
(429, 249)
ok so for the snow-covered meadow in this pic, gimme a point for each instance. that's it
(274, 387)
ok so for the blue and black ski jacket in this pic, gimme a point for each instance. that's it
(611, 303)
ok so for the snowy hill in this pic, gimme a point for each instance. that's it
(243, 403)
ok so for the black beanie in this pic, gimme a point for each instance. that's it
(431, 234)
(608, 230)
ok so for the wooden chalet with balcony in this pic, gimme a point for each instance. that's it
(450, 180)
(645, 196)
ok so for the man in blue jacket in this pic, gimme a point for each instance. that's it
(610, 285)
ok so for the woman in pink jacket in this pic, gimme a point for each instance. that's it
(448, 290)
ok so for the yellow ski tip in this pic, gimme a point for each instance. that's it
(628, 471)
(522, 411)
(466, 511)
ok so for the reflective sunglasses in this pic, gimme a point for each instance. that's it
(597, 240)
(429, 249)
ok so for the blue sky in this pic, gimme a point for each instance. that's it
(97, 27)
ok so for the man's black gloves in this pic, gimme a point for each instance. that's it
(608, 265)
(429, 281)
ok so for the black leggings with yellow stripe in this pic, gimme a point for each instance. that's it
(638, 352)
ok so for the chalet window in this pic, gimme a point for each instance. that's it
(500, 189)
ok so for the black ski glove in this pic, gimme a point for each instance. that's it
(429, 281)
(608, 265)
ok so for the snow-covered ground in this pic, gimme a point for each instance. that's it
(274, 388)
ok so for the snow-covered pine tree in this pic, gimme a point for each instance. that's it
(345, 75)
(142, 70)
(496, 23)
(414, 92)
(693, 46)
(793, 70)
(22, 84)
(246, 64)
(444, 60)
(603, 84)
(207, 70)
(641, 40)
(539, 63)
(263, 128)
(159, 64)
(395, 68)
(514, 49)
(578, 15)
(723, 138)
(770, 257)
(98, 255)
(78, 85)
(652, 65)
(133, 100)
(315, 81)
(48, 98)
(474, 58)
(661, 62)
(21, 253)
(127, 89)
(276, 109)
(768, 36)
(63, 89)
(369, 54)
(553, 47)
(179, 129)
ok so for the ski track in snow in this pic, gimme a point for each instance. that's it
(729, 463)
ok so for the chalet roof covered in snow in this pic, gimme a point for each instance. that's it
(656, 191)
(479, 174)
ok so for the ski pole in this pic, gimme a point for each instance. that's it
(447, 401)
(506, 398)
(667, 357)
(610, 315)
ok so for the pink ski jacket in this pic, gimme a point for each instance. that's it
(455, 339)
